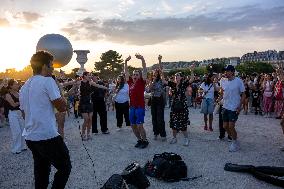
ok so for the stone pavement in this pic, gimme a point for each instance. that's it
(260, 140)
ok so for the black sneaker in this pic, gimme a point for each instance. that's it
(144, 144)
(229, 139)
(139, 143)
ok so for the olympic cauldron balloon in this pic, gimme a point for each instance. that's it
(57, 45)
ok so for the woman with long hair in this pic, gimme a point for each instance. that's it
(207, 105)
(121, 100)
(60, 116)
(268, 87)
(2, 103)
(158, 104)
(85, 104)
(16, 120)
(278, 95)
(247, 96)
(179, 110)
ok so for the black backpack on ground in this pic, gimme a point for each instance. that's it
(132, 177)
(167, 166)
(116, 181)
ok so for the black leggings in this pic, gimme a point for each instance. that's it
(122, 110)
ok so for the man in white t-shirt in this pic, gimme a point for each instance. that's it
(232, 89)
(38, 98)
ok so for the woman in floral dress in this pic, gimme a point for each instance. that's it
(179, 109)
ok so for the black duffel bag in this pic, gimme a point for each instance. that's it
(167, 166)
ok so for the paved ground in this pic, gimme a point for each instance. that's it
(260, 140)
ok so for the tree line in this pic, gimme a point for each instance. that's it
(111, 65)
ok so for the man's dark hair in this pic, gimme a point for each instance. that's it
(85, 73)
(39, 59)
(11, 83)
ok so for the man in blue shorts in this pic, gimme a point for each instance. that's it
(137, 104)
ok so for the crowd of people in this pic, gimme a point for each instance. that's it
(36, 114)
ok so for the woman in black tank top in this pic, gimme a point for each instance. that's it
(15, 117)
(85, 104)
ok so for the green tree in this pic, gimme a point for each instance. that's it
(201, 70)
(217, 68)
(197, 70)
(73, 73)
(110, 64)
(254, 67)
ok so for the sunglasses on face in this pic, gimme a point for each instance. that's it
(136, 74)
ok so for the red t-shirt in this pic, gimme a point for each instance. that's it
(136, 93)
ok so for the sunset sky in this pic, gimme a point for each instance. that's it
(178, 29)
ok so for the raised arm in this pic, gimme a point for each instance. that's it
(279, 72)
(144, 71)
(161, 70)
(64, 84)
(191, 74)
(72, 90)
(97, 85)
(126, 72)
(10, 100)
(161, 66)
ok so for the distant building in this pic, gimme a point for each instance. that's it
(168, 66)
(234, 61)
(269, 56)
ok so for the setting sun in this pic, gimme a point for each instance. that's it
(16, 48)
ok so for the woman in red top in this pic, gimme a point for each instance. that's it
(137, 104)
(278, 95)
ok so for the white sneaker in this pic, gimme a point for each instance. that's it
(234, 147)
(118, 129)
(265, 116)
(173, 141)
(84, 138)
(186, 142)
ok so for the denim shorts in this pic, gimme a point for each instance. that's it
(207, 106)
(136, 116)
(229, 116)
